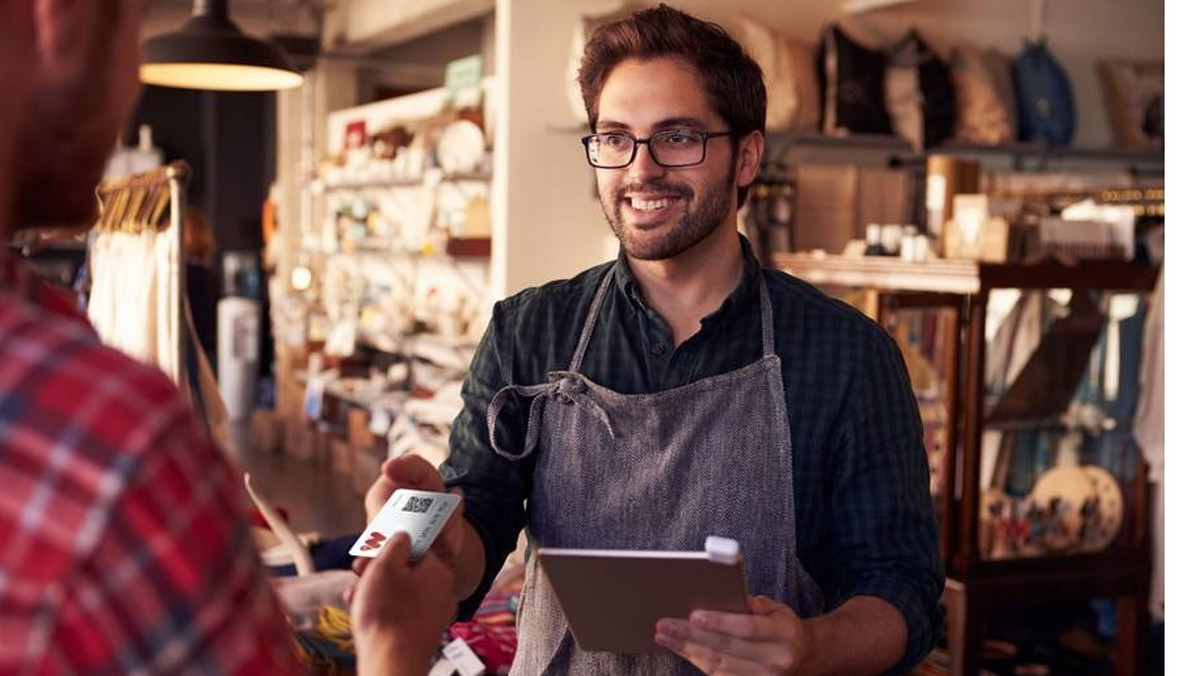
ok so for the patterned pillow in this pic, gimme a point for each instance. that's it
(983, 90)
(851, 80)
(920, 96)
(789, 73)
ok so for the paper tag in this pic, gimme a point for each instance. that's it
(465, 660)
(421, 514)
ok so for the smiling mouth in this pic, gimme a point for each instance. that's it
(651, 205)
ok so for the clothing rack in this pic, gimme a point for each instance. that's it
(152, 201)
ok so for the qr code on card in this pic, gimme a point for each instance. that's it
(417, 505)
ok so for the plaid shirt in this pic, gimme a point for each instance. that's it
(123, 546)
(865, 522)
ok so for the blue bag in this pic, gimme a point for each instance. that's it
(1045, 107)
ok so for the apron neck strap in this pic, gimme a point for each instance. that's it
(593, 312)
(768, 318)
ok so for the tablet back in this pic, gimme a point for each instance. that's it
(613, 598)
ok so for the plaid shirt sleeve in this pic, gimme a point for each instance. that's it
(883, 521)
(124, 548)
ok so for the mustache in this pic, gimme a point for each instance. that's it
(660, 187)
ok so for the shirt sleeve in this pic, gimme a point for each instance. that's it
(884, 524)
(494, 489)
(173, 582)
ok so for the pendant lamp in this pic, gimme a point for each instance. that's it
(210, 52)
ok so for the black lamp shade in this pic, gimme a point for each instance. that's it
(209, 52)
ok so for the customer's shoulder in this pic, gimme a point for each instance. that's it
(74, 387)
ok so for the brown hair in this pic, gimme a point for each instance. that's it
(732, 80)
(198, 242)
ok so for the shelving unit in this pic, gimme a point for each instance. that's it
(390, 183)
(781, 144)
(976, 585)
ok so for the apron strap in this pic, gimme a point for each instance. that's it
(514, 393)
(768, 318)
(563, 387)
(590, 324)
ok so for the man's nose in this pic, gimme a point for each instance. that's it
(644, 167)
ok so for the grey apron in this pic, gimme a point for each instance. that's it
(655, 471)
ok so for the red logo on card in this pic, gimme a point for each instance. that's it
(375, 541)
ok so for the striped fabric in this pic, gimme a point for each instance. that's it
(864, 517)
(123, 547)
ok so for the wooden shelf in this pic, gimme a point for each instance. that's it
(783, 141)
(386, 183)
(886, 273)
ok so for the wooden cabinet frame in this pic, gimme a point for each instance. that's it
(975, 586)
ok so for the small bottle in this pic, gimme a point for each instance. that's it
(874, 241)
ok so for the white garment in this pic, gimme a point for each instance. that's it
(1149, 431)
(135, 300)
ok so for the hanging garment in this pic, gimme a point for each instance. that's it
(655, 471)
(1149, 430)
(135, 304)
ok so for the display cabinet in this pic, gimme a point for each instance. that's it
(1026, 377)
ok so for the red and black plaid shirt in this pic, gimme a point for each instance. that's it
(122, 548)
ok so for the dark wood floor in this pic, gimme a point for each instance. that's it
(315, 498)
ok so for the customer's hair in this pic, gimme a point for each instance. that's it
(732, 80)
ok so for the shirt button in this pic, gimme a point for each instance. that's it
(658, 349)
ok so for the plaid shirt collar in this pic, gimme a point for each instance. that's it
(19, 282)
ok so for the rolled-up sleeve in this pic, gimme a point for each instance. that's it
(884, 525)
(494, 488)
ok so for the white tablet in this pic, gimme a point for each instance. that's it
(613, 598)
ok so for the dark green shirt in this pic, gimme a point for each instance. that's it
(865, 523)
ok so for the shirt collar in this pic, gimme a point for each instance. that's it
(746, 290)
(18, 281)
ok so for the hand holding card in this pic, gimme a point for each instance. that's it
(420, 514)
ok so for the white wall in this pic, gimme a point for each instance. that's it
(550, 227)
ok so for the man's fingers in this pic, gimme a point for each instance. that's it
(706, 658)
(398, 548)
(411, 471)
(704, 642)
(359, 565)
(738, 625)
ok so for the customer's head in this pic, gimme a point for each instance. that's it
(84, 75)
(733, 82)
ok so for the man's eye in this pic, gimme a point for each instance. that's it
(613, 140)
(679, 138)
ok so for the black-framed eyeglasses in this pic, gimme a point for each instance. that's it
(671, 148)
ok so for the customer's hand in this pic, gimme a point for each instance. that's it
(410, 471)
(399, 611)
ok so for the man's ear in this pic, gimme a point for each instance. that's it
(749, 158)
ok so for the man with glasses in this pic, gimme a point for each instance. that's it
(683, 391)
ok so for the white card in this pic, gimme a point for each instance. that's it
(421, 514)
(465, 661)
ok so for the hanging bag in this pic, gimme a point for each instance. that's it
(1045, 106)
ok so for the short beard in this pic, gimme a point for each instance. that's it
(693, 227)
